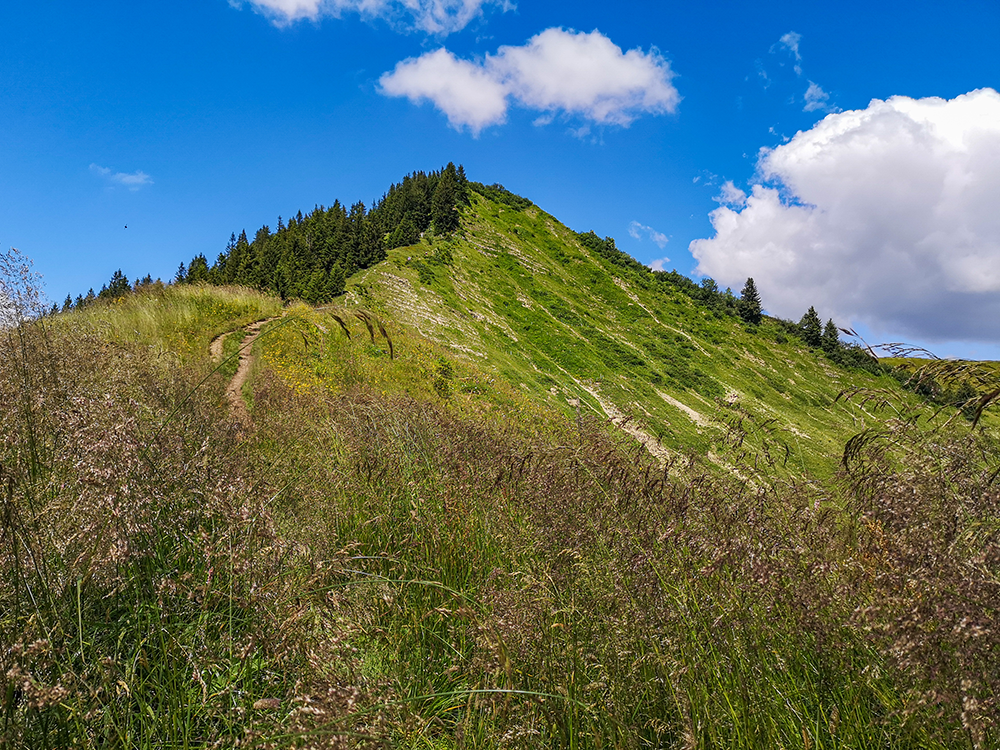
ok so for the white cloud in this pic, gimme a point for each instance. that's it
(637, 230)
(659, 264)
(132, 180)
(790, 42)
(586, 74)
(286, 11)
(884, 216)
(431, 16)
(558, 72)
(730, 195)
(816, 99)
(463, 90)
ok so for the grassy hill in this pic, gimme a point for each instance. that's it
(521, 296)
(505, 493)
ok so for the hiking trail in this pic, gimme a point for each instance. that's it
(234, 391)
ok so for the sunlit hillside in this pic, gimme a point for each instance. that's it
(508, 491)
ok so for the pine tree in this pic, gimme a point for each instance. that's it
(119, 286)
(335, 282)
(463, 185)
(444, 208)
(749, 306)
(236, 261)
(181, 275)
(811, 327)
(831, 337)
(68, 304)
(315, 291)
(198, 270)
(404, 235)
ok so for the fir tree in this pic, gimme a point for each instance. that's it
(811, 327)
(405, 234)
(831, 337)
(181, 276)
(749, 306)
(444, 208)
(336, 282)
(67, 304)
(463, 185)
(198, 270)
(118, 286)
(315, 291)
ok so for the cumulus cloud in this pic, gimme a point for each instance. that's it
(884, 216)
(730, 195)
(636, 231)
(558, 72)
(588, 75)
(463, 90)
(431, 16)
(659, 264)
(132, 180)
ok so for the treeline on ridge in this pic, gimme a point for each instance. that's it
(312, 256)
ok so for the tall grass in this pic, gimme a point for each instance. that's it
(143, 598)
(374, 563)
(179, 320)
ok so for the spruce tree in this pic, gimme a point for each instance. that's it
(831, 337)
(198, 270)
(336, 282)
(811, 327)
(444, 208)
(315, 291)
(405, 234)
(749, 306)
(119, 286)
(463, 185)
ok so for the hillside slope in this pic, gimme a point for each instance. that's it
(520, 295)
(230, 521)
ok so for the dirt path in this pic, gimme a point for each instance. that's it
(234, 391)
(215, 348)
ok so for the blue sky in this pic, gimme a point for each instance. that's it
(643, 121)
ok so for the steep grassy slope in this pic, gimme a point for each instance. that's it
(518, 294)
